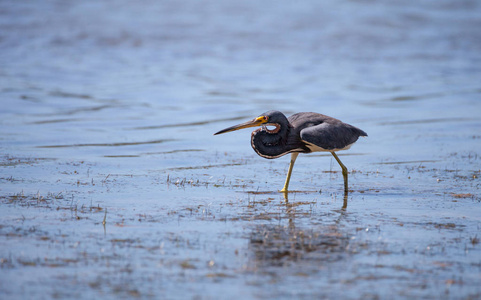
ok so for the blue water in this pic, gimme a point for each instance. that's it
(112, 104)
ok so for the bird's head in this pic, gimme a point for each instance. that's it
(269, 118)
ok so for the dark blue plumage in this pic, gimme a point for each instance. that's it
(303, 132)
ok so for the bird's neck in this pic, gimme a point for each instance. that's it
(270, 144)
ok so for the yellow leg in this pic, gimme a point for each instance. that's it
(344, 171)
(291, 165)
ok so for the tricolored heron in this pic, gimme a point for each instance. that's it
(303, 132)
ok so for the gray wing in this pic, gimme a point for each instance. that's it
(331, 135)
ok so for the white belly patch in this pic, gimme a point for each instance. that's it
(315, 148)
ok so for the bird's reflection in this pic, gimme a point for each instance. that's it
(274, 245)
(344, 205)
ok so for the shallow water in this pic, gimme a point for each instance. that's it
(108, 110)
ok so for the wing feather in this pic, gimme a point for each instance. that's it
(331, 135)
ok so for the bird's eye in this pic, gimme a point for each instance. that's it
(266, 118)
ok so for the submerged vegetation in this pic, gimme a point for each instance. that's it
(212, 228)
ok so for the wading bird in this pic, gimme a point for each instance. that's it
(303, 132)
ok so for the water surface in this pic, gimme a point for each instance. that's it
(112, 184)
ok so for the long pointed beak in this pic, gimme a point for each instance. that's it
(256, 122)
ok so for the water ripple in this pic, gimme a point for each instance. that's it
(108, 144)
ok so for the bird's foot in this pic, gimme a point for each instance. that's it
(285, 194)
